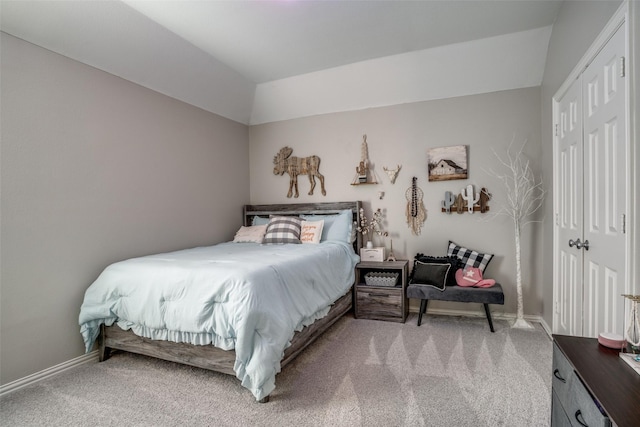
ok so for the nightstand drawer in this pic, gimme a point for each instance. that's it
(379, 302)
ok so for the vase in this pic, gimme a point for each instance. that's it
(633, 328)
(369, 244)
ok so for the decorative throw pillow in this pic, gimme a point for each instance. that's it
(253, 234)
(469, 257)
(283, 229)
(434, 275)
(453, 261)
(311, 231)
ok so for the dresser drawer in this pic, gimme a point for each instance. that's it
(379, 303)
(558, 417)
(582, 409)
(562, 373)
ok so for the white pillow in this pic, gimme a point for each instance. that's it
(252, 234)
(311, 231)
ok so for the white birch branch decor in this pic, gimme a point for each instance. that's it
(524, 196)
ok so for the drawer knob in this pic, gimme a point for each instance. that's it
(580, 420)
(556, 374)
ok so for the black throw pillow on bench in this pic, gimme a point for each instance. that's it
(432, 274)
(454, 262)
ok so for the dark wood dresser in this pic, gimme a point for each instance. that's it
(588, 376)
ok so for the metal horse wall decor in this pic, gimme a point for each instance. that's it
(295, 166)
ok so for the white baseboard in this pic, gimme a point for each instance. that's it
(49, 372)
(546, 327)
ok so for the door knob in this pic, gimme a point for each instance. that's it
(578, 244)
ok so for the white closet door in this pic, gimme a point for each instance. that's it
(569, 172)
(605, 186)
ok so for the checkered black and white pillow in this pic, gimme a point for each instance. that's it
(283, 229)
(469, 257)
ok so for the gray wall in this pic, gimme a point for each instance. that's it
(401, 135)
(96, 169)
(576, 27)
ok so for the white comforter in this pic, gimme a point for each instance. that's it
(243, 296)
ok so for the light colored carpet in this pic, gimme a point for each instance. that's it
(449, 371)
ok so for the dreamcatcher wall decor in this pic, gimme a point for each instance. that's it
(416, 212)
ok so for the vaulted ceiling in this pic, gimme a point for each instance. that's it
(220, 55)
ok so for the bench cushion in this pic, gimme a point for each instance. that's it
(492, 295)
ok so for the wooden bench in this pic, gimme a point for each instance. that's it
(485, 296)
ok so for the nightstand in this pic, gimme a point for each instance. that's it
(382, 302)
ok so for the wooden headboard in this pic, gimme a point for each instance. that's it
(297, 209)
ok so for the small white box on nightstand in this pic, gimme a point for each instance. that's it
(372, 254)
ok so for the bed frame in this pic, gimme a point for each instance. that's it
(213, 358)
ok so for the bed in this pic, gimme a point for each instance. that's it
(243, 309)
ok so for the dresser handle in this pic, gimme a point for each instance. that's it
(579, 414)
(556, 374)
(371, 294)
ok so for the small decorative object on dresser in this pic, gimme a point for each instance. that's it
(295, 166)
(632, 328)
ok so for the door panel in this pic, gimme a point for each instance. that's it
(591, 183)
(605, 190)
(568, 289)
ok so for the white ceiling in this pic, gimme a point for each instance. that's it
(271, 40)
(213, 53)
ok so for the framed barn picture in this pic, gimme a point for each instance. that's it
(447, 163)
